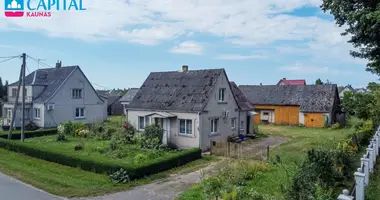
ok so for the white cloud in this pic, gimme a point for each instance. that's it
(299, 68)
(188, 47)
(239, 57)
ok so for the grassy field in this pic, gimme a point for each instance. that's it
(73, 182)
(291, 154)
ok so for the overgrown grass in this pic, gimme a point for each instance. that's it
(373, 189)
(291, 153)
(73, 182)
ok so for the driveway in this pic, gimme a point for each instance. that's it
(12, 189)
(166, 189)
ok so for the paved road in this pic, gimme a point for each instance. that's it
(12, 189)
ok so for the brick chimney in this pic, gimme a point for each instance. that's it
(284, 79)
(58, 64)
(185, 68)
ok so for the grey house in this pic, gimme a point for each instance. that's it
(56, 95)
(128, 97)
(193, 107)
(343, 89)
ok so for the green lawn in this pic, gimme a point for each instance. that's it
(73, 182)
(293, 151)
(97, 150)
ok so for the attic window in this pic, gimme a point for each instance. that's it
(222, 94)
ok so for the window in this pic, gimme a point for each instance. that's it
(14, 92)
(242, 125)
(222, 94)
(265, 113)
(25, 92)
(214, 125)
(185, 127)
(77, 93)
(37, 113)
(233, 123)
(141, 122)
(79, 113)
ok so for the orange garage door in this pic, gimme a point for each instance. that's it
(314, 120)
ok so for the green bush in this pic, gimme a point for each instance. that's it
(31, 126)
(120, 176)
(31, 134)
(61, 138)
(363, 132)
(335, 126)
(140, 158)
(148, 168)
(78, 147)
(151, 138)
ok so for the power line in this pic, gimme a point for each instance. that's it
(8, 56)
(100, 86)
(38, 61)
(8, 59)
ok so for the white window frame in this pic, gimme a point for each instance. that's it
(213, 123)
(9, 113)
(139, 122)
(233, 123)
(77, 93)
(241, 125)
(79, 111)
(14, 94)
(37, 113)
(186, 130)
(222, 95)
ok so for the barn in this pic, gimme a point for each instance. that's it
(314, 106)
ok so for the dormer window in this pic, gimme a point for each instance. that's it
(222, 94)
(77, 93)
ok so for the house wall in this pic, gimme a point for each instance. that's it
(39, 122)
(117, 108)
(36, 90)
(65, 105)
(288, 115)
(214, 110)
(17, 124)
(29, 91)
(183, 142)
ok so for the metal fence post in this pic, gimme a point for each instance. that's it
(360, 188)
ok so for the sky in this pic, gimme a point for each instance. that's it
(117, 43)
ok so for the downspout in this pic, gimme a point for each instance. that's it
(199, 130)
(238, 122)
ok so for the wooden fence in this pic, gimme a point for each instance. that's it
(366, 169)
(244, 150)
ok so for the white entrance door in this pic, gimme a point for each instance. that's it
(166, 127)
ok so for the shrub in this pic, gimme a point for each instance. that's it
(30, 134)
(152, 137)
(140, 158)
(120, 176)
(83, 133)
(61, 129)
(61, 138)
(78, 147)
(69, 128)
(31, 126)
(335, 126)
(124, 136)
(256, 129)
(88, 164)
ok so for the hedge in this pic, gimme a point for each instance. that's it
(29, 134)
(102, 167)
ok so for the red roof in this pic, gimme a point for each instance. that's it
(292, 82)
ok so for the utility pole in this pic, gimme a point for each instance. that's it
(23, 98)
(15, 105)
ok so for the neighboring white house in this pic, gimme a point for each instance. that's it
(56, 95)
(192, 106)
(128, 97)
(343, 89)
